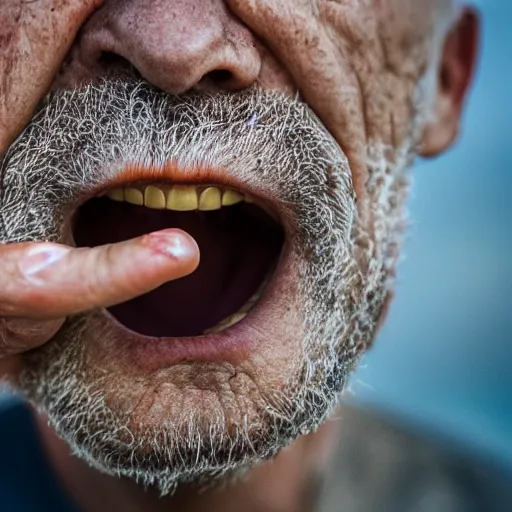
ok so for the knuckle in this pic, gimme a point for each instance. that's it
(12, 286)
(104, 265)
(93, 272)
(17, 335)
(8, 339)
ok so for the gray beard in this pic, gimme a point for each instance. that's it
(269, 141)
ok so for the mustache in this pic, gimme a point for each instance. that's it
(82, 138)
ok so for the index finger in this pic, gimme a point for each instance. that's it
(49, 281)
(34, 39)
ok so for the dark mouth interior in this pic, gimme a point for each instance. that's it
(239, 246)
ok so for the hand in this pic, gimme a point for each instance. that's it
(41, 284)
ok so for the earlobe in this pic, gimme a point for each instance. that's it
(454, 78)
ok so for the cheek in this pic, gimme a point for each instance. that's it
(9, 47)
(356, 64)
(384, 47)
(34, 38)
(304, 44)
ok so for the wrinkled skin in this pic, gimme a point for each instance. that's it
(356, 64)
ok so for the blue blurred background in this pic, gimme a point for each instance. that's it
(444, 358)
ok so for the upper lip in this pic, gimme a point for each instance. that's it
(171, 173)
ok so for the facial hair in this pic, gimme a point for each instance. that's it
(270, 142)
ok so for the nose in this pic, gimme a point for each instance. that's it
(175, 45)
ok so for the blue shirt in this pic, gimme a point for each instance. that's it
(27, 481)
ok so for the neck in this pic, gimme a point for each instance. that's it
(289, 483)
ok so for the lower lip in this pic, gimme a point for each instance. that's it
(234, 345)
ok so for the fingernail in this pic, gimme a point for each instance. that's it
(40, 258)
(171, 243)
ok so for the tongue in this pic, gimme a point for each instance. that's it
(238, 247)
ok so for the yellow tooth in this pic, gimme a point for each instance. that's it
(134, 196)
(249, 304)
(230, 320)
(182, 198)
(234, 319)
(226, 323)
(210, 199)
(154, 198)
(116, 194)
(231, 197)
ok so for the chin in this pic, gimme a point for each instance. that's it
(216, 372)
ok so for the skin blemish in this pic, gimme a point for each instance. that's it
(253, 120)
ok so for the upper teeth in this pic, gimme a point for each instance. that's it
(179, 197)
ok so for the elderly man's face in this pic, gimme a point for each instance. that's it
(277, 133)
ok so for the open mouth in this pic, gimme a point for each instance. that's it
(240, 246)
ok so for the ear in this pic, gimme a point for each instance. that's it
(455, 74)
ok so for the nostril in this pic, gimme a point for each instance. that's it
(220, 76)
(113, 62)
(220, 79)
